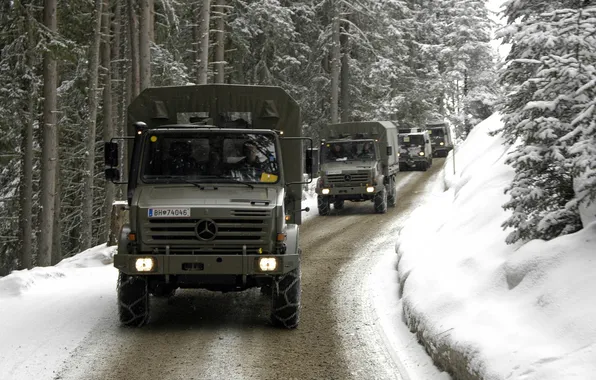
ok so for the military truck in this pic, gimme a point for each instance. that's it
(215, 174)
(415, 151)
(359, 162)
(440, 137)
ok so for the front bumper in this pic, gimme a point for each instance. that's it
(348, 190)
(206, 264)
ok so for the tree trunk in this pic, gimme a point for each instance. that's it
(152, 21)
(87, 214)
(57, 237)
(335, 57)
(49, 145)
(345, 72)
(108, 128)
(133, 38)
(145, 44)
(26, 185)
(203, 34)
(220, 39)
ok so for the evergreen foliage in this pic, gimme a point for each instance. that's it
(549, 114)
(408, 60)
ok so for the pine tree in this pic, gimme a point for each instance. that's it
(549, 112)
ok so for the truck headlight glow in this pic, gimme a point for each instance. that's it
(325, 191)
(441, 143)
(267, 264)
(144, 264)
(370, 189)
(421, 154)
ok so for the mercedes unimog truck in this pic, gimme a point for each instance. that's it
(440, 137)
(415, 151)
(215, 177)
(359, 162)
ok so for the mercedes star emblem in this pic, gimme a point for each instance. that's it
(348, 178)
(206, 229)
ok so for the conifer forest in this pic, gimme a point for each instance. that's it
(69, 68)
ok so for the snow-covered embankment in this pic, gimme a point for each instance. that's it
(485, 309)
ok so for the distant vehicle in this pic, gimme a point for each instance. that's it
(440, 137)
(215, 203)
(415, 151)
(359, 162)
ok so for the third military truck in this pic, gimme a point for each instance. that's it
(359, 162)
(215, 177)
(440, 136)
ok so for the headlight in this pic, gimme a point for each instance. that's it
(421, 154)
(325, 191)
(441, 143)
(370, 189)
(144, 264)
(267, 264)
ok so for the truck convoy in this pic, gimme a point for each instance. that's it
(214, 191)
(440, 136)
(359, 162)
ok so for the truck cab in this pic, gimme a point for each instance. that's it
(213, 204)
(441, 139)
(415, 151)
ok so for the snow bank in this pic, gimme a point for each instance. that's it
(19, 282)
(489, 310)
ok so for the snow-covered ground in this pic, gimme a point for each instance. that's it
(45, 313)
(521, 311)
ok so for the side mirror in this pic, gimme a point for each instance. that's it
(311, 165)
(389, 150)
(111, 154)
(112, 174)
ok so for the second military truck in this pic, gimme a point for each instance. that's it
(359, 162)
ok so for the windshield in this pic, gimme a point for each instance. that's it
(206, 156)
(436, 134)
(411, 140)
(348, 150)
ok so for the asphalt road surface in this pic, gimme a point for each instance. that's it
(206, 335)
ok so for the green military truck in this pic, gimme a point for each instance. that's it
(415, 151)
(215, 174)
(359, 162)
(440, 136)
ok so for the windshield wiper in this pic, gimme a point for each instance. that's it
(181, 178)
(228, 179)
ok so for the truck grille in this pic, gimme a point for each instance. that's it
(241, 227)
(353, 179)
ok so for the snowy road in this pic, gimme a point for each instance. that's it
(205, 335)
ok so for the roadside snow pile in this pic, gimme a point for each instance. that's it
(19, 282)
(485, 309)
(309, 199)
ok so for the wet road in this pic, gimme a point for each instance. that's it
(204, 335)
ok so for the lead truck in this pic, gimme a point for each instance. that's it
(214, 176)
(359, 162)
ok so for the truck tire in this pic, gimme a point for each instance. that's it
(338, 204)
(392, 193)
(323, 205)
(381, 202)
(133, 300)
(285, 299)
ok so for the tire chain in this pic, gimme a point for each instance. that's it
(141, 318)
(323, 206)
(381, 207)
(291, 321)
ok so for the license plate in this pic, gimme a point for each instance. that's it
(169, 212)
